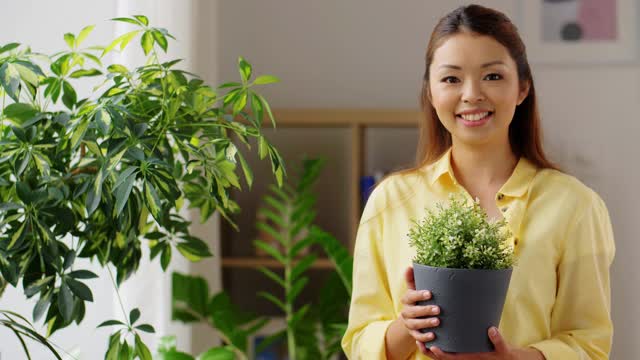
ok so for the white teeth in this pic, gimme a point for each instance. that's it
(474, 117)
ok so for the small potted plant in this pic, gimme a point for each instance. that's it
(466, 263)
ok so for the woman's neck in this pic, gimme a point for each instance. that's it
(483, 166)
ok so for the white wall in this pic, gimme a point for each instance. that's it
(370, 54)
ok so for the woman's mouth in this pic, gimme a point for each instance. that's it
(477, 119)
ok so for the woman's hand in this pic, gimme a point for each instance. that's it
(502, 351)
(411, 313)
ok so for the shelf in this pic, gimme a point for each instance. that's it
(301, 118)
(254, 262)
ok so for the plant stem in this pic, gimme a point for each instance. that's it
(115, 286)
(291, 339)
(3, 286)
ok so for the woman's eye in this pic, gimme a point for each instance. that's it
(493, 77)
(450, 79)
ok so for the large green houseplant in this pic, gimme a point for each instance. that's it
(101, 175)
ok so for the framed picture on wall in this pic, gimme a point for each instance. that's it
(579, 31)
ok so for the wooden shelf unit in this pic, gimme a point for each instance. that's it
(356, 121)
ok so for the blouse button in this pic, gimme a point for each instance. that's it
(504, 209)
(515, 241)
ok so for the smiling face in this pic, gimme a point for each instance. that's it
(474, 88)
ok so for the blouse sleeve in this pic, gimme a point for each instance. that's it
(581, 326)
(371, 311)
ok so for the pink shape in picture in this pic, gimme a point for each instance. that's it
(598, 18)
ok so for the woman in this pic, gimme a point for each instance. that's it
(482, 138)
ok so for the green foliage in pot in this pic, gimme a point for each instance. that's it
(291, 209)
(95, 175)
(460, 236)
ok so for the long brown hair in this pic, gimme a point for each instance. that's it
(525, 135)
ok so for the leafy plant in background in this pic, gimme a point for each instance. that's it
(291, 209)
(92, 176)
(312, 331)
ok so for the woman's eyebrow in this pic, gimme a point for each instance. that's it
(456, 67)
(496, 62)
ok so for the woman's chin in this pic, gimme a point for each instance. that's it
(475, 138)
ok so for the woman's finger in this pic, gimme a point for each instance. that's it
(412, 296)
(408, 276)
(417, 324)
(497, 340)
(419, 311)
(422, 337)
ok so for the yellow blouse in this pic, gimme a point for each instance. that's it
(559, 297)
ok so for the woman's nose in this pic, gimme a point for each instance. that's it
(472, 92)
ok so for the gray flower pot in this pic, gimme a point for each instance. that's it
(470, 302)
